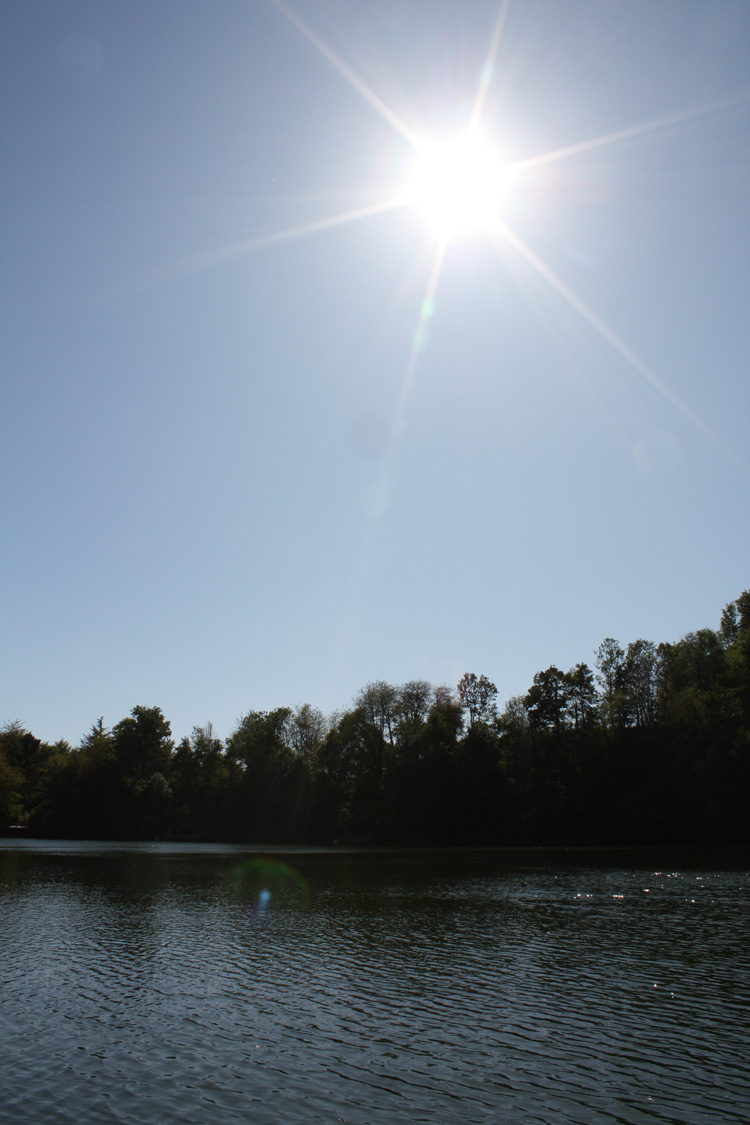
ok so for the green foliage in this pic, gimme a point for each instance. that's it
(378, 702)
(27, 759)
(11, 781)
(477, 695)
(581, 696)
(306, 729)
(610, 660)
(269, 804)
(640, 683)
(414, 701)
(547, 700)
(656, 748)
(84, 790)
(142, 744)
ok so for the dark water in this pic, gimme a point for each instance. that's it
(154, 983)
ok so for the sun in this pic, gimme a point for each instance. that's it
(458, 185)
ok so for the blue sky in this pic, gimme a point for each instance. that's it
(245, 465)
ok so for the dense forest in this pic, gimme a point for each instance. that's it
(652, 746)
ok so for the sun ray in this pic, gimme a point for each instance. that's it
(303, 230)
(346, 72)
(489, 65)
(380, 491)
(199, 262)
(501, 236)
(614, 341)
(626, 134)
(426, 311)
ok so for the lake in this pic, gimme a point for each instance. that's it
(197, 983)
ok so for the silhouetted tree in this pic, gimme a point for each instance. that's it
(306, 728)
(477, 695)
(547, 700)
(581, 696)
(28, 757)
(640, 683)
(143, 751)
(11, 781)
(270, 803)
(668, 762)
(610, 660)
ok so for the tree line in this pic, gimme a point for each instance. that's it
(652, 745)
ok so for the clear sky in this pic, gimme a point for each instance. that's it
(276, 422)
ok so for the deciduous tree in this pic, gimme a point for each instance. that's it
(477, 695)
(581, 693)
(610, 660)
(547, 700)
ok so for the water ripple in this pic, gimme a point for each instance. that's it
(418, 987)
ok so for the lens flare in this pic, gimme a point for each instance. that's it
(261, 885)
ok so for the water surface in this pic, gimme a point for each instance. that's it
(189, 983)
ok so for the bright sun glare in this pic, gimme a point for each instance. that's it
(461, 186)
(457, 185)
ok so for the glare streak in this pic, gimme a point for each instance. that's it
(489, 66)
(425, 313)
(380, 491)
(614, 341)
(625, 134)
(347, 73)
(301, 231)
(188, 266)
